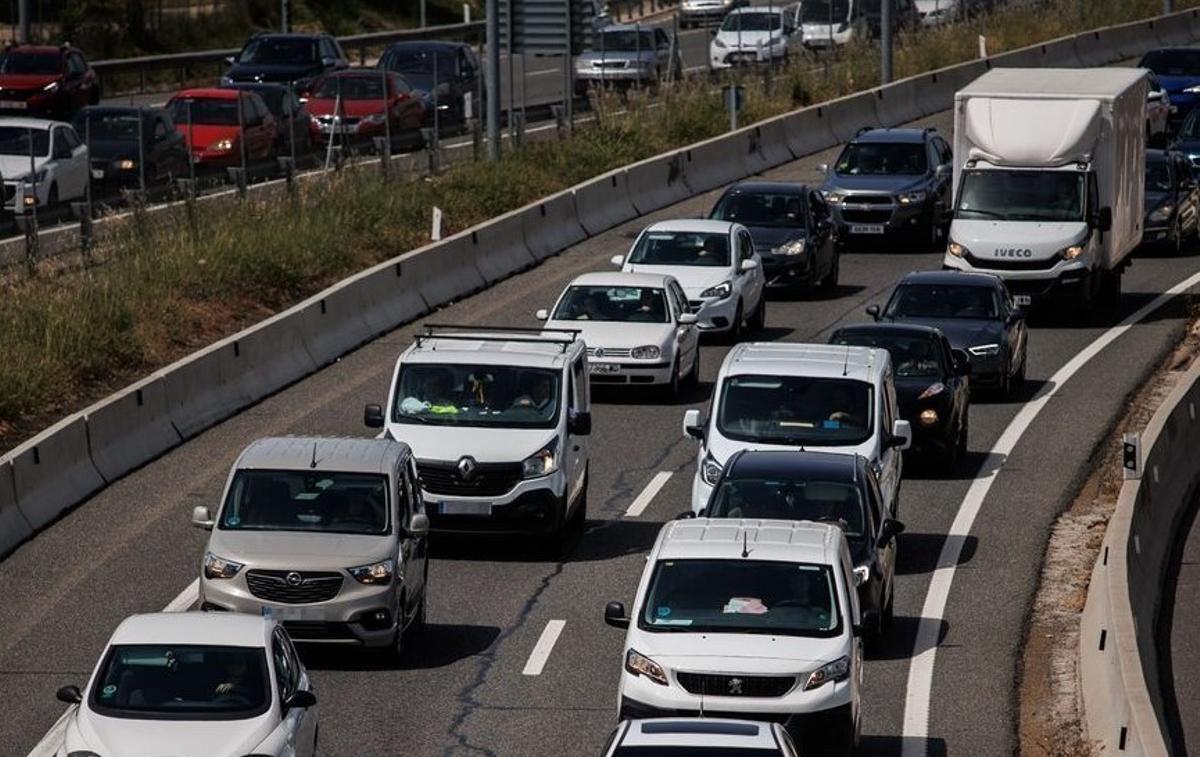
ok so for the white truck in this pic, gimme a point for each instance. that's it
(1048, 180)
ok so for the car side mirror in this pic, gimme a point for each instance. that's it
(823, 168)
(579, 424)
(940, 170)
(749, 264)
(230, 59)
(618, 260)
(202, 517)
(873, 311)
(542, 315)
(688, 515)
(301, 698)
(1103, 219)
(888, 531)
(687, 319)
(1016, 316)
(69, 695)
(870, 619)
(419, 525)
(691, 424)
(329, 62)
(962, 362)
(901, 435)
(373, 416)
(614, 615)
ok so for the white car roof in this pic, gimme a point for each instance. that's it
(796, 541)
(340, 454)
(30, 123)
(212, 628)
(523, 350)
(698, 732)
(812, 360)
(692, 224)
(756, 9)
(621, 279)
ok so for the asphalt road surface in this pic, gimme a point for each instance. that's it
(1181, 613)
(461, 689)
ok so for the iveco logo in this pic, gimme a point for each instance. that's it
(1013, 252)
(735, 686)
(294, 579)
(466, 468)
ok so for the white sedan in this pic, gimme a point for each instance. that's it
(714, 262)
(41, 159)
(636, 326)
(194, 684)
(753, 35)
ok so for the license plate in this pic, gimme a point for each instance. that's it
(603, 368)
(97, 173)
(298, 613)
(465, 508)
(1022, 300)
(873, 228)
(13, 104)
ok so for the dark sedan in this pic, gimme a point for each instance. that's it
(447, 72)
(975, 312)
(1177, 70)
(822, 487)
(791, 229)
(932, 385)
(1172, 201)
(112, 135)
(285, 59)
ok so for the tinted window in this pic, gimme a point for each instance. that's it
(1172, 62)
(307, 500)
(1158, 176)
(477, 395)
(279, 51)
(603, 303)
(824, 11)
(942, 301)
(874, 158)
(752, 22)
(796, 410)
(791, 499)
(624, 40)
(15, 140)
(418, 61)
(61, 146)
(31, 63)
(682, 248)
(912, 356)
(350, 88)
(761, 209)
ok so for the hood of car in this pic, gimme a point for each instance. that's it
(1176, 84)
(746, 39)
(351, 108)
(721, 449)
(16, 166)
(737, 653)
(962, 332)
(204, 135)
(277, 72)
(767, 238)
(693, 278)
(618, 334)
(887, 183)
(291, 549)
(486, 445)
(156, 738)
(26, 81)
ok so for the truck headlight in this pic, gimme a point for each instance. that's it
(543, 462)
(1072, 252)
(647, 352)
(957, 250)
(720, 291)
(838, 670)
(375, 574)
(219, 568)
(1162, 212)
(710, 470)
(911, 198)
(641, 665)
(795, 247)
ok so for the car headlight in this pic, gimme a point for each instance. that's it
(795, 247)
(710, 470)
(956, 249)
(838, 670)
(928, 417)
(218, 567)
(985, 350)
(641, 665)
(911, 198)
(543, 462)
(718, 43)
(51, 87)
(226, 81)
(933, 389)
(1194, 90)
(126, 164)
(720, 291)
(1162, 212)
(379, 573)
(223, 145)
(833, 197)
(1072, 252)
(648, 352)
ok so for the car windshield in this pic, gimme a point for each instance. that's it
(1191, 126)
(942, 301)
(1172, 62)
(624, 40)
(350, 88)
(307, 500)
(41, 64)
(112, 127)
(752, 22)
(1053, 196)
(791, 499)
(824, 11)
(15, 140)
(280, 51)
(912, 356)
(741, 596)
(761, 209)
(182, 682)
(613, 303)
(204, 111)
(882, 158)
(419, 62)
(1158, 177)
(682, 248)
(494, 396)
(796, 410)
(695, 751)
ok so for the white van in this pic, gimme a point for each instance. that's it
(498, 420)
(754, 619)
(802, 396)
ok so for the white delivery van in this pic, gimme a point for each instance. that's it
(1048, 179)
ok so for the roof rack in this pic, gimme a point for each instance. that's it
(535, 335)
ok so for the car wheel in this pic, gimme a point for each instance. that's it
(671, 388)
(889, 610)
(1006, 383)
(934, 233)
(1018, 382)
(758, 321)
(734, 334)
(831, 279)
(964, 433)
(947, 463)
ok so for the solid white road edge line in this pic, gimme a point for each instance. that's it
(543, 648)
(920, 671)
(643, 500)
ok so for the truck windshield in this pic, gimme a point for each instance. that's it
(492, 396)
(1053, 196)
(824, 11)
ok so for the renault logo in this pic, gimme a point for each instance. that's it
(735, 686)
(466, 468)
(294, 579)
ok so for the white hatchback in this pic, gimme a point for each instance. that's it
(636, 326)
(194, 684)
(754, 34)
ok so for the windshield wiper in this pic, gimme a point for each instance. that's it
(983, 212)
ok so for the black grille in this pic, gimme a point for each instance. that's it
(736, 686)
(486, 480)
(866, 216)
(868, 200)
(273, 586)
(1011, 264)
(316, 630)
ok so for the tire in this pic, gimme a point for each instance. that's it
(671, 388)
(1006, 380)
(52, 196)
(758, 321)
(1018, 382)
(1175, 242)
(734, 335)
(830, 282)
(889, 610)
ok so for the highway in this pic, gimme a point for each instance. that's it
(463, 689)
(1178, 643)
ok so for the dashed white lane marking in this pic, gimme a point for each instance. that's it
(643, 500)
(543, 648)
(920, 671)
(185, 599)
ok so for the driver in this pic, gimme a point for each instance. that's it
(842, 404)
(233, 678)
(538, 395)
(712, 251)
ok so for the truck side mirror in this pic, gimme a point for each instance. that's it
(691, 424)
(579, 423)
(1103, 219)
(614, 615)
(373, 416)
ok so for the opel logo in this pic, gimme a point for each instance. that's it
(735, 686)
(466, 468)
(294, 579)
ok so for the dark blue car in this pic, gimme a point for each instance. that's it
(295, 59)
(1171, 201)
(1177, 70)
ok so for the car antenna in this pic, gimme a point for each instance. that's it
(745, 544)
(846, 361)
(313, 464)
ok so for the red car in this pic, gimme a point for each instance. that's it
(358, 99)
(53, 82)
(214, 138)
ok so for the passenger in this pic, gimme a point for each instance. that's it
(650, 306)
(841, 399)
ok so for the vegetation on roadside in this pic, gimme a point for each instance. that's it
(173, 281)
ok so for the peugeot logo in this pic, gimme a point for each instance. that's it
(466, 468)
(294, 579)
(735, 686)
(1013, 252)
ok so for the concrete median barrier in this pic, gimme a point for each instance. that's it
(1060, 53)
(769, 146)
(717, 161)
(443, 271)
(808, 131)
(130, 428)
(496, 248)
(53, 472)
(1177, 29)
(1092, 49)
(1131, 40)
(658, 182)
(14, 529)
(552, 225)
(852, 113)
(896, 103)
(603, 202)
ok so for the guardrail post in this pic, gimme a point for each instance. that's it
(237, 177)
(476, 139)
(557, 112)
(518, 128)
(83, 212)
(383, 146)
(287, 167)
(27, 221)
(431, 148)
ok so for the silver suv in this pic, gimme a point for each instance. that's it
(330, 534)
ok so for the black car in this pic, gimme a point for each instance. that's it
(112, 133)
(823, 487)
(295, 59)
(285, 104)
(891, 183)
(1177, 70)
(905, 16)
(455, 81)
(933, 385)
(975, 312)
(1172, 200)
(791, 229)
